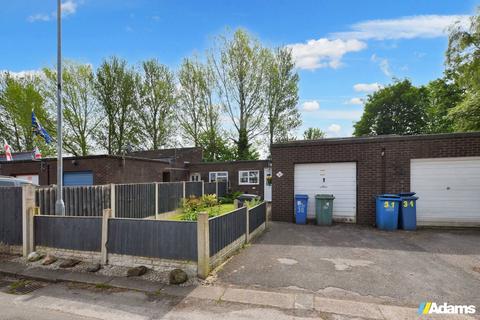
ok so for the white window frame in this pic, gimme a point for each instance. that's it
(216, 175)
(197, 175)
(249, 183)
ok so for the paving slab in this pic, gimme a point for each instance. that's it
(136, 284)
(304, 301)
(199, 292)
(43, 274)
(350, 308)
(264, 298)
(84, 278)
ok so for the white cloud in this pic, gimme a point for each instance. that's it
(22, 74)
(356, 100)
(38, 17)
(69, 7)
(334, 129)
(384, 65)
(420, 26)
(323, 53)
(310, 106)
(367, 87)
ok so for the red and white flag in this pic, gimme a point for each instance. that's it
(36, 153)
(8, 151)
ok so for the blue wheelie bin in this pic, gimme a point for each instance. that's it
(387, 206)
(407, 219)
(301, 204)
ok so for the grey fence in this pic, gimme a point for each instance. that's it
(222, 189)
(256, 216)
(135, 200)
(210, 188)
(169, 196)
(226, 229)
(193, 189)
(11, 215)
(79, 201)
(153, 238)
(75, 233)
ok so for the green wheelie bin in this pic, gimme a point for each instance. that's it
(324, 209)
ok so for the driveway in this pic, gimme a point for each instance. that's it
(363, 264)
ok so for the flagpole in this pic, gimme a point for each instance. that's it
(59, 205)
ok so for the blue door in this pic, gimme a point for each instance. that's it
(78, 178)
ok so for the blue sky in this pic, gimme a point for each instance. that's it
(344, 49)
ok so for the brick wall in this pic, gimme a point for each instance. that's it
(106, 169)
(233, 167)
(375, 173)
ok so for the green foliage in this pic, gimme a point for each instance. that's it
(229, 198)
(193, 205)
(399, 108)
(443, 96)
(313, 134)
(463, 66)
(253, 203)
(80, 108)
(19, 96)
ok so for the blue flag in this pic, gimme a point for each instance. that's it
(39, 130)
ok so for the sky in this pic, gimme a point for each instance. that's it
(344, 50)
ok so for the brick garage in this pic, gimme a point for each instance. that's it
(383, 165)
(233, 167)
(106, 169)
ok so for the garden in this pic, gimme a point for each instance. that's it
(210, 204)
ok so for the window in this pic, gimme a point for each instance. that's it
(220, 176)
(195, 177)
(248, 177)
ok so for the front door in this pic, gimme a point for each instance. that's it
(267, 187)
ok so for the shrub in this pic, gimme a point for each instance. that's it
(230, 197)
(193, 205)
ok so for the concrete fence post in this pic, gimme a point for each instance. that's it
(236, 204)
(203, 245)
(247, 227)
(184, 193)
(107, 213)
(112, 199)
(156, 200)
(28, 205)
(203, 188)
(216, 188)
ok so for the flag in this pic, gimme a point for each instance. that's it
(8, 151)
(36, 153)
(39, 130)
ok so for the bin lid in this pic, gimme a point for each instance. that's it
(325, 196)
(406, 194)
(409, 198)
(301, 196)
(388, 195)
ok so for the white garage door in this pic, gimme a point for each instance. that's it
(337, 178)
(449, 190)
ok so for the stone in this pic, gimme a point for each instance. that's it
(70, 263)
(34, 256)
(49, 259)
(137, 271)
(177, 276)
(94, 268)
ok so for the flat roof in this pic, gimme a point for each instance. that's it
(230, 161)
(97, 156)
(376, 139)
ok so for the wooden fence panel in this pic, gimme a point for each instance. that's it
(210, 188)
(153, 238)
(11, 215)
(222, 189)
(169, 196)
(226, 229)
(75, 233)
(135, 200)
(256, 216)
(79, 201)
(193, 189)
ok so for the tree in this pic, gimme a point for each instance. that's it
(157, 104)
(399, 108)
(443, 96)
(115, 89)
(463, 66)
(313, 134)
(80, 108)
(281, 96)
(239, 69)
(19, 96)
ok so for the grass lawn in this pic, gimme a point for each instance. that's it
(219, 210)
